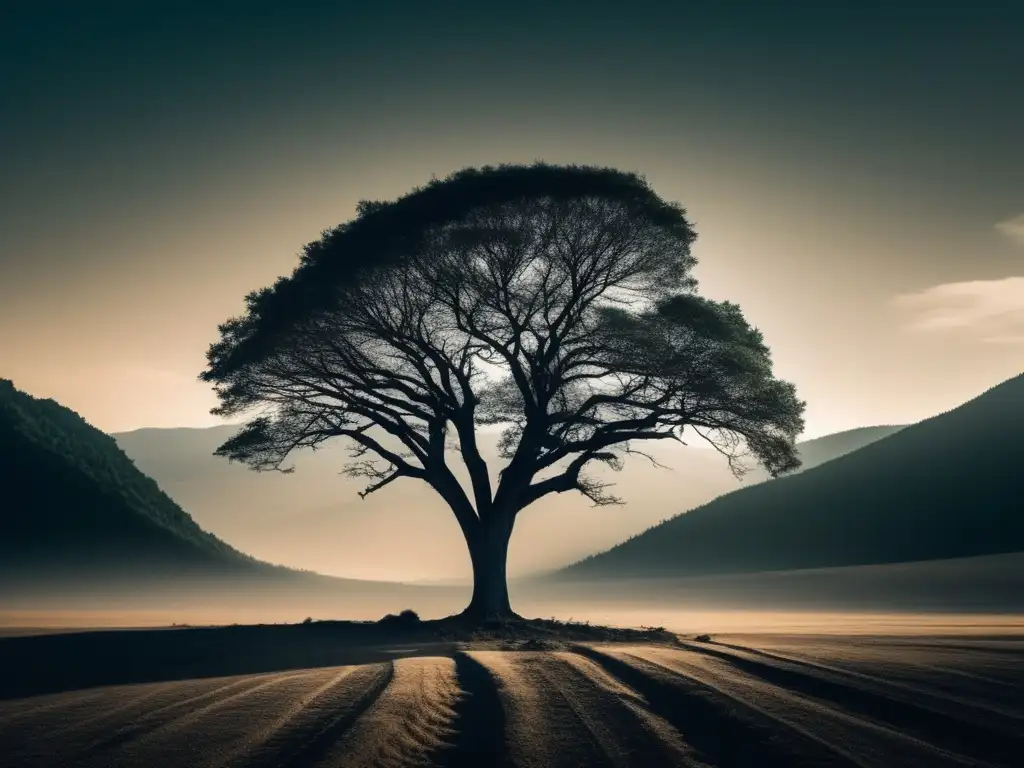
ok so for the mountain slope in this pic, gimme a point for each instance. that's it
(950, 486)
(821, 449)
(73, 498)
(315, 519)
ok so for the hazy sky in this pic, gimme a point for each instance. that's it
(856, 175)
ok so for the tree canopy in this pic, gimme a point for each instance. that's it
(555, 301)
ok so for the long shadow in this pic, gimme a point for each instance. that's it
(316, 748)
(56, 663)
(1007, 681)
(299, 750)
(961, 735)
(143, 726)
(1007, 650)
(720, 738)
(479, 720)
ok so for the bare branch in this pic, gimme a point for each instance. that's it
(556, 302)
(383, 481)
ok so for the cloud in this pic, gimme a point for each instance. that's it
(1013, 228)
(990, 310)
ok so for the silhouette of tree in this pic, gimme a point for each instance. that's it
(554, 301)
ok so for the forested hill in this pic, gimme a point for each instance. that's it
(949, 486)
(70, 496)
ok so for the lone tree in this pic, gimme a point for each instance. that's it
(554, 301)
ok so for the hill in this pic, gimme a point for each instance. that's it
(86, 538)
(949, 486)
(822, 449)
(72, 498)
(315, 519)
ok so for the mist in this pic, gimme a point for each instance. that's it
(897, 597)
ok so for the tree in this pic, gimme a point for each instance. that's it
(555, 301)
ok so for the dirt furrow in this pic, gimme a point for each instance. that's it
(266, 742)
(407, 725)
(956, 724)
(780, 701)
(61, 723)
(183, 733)
(478, 727)
(120, 714)
(987, 681)
(562, 710)
(723, 731)
(19, 710)
(309, 730)
(863, 741)
(914, 694)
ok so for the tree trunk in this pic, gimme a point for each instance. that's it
(489, 553)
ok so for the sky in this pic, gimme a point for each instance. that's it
(855, 172)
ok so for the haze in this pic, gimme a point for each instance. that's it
(314, 518)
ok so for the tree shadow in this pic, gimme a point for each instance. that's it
(57, 663)
(54, 663)
(479, 726)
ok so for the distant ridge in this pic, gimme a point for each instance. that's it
(949, 486)
(829, 447)
(72, 499)
(315, 518)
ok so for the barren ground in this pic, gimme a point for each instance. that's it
(741, 700)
